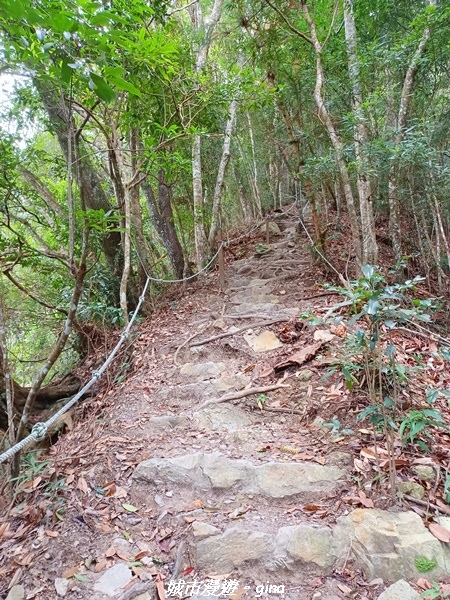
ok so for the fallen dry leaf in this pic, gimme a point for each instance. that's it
(299, 357)
(424, 584)
(439, 532)
(52, 534)
(160, 587)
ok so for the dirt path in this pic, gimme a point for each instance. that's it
(239, 498)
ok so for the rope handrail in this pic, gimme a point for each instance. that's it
(40, 429)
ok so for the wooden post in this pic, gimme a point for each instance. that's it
(267, 230)
(221, 262)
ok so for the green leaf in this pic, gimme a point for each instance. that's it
(372, 306)
(102, 89)
(432, 396)
(368, 271)
(120, 83)
(130, 508)
(390, 350)
(366, 412)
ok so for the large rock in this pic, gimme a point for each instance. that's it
(112, 580)
(203, 371)
(263, 342)
(226, 552)
(301, 550)
(386, 544)
(273, 228)
(279, 480)
(222, 416)
(400, 591)
(317, 548)
(216, 471)
(17, 592)
(256, 295)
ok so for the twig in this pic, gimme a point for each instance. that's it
(175, 356)
(243, 394)
(318, 295)
(426, 334)
(291, 411)
(334, 308)
(427, 505)
(240, 330)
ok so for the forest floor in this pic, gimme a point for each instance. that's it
(228, 455)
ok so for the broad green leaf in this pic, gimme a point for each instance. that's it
(102, 89)
(120, 83)
(130, 508)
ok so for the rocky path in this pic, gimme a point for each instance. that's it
(237, 498)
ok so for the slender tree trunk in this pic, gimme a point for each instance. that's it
(221, 173)
(369, 243)
(255, 168)
(405, 100)
(334, 137)
(7, 379)
(207, 28)
(162, 217)
(58, 347)
(201, 242)
(246, 205)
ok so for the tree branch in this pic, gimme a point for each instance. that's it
(289, 24)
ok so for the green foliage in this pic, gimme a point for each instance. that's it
(435, 593)
(371, 355)
(417, 422)
(424, 564)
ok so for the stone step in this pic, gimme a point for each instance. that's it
(205, 473)
(380, 543)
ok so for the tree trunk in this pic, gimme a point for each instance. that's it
(254, 179)
(334, 138)
(221, 174)
(87, 179)
(369, 243)
(199, 222)
(45, 397)
(407, 88)
(162, 217)
(206, 28)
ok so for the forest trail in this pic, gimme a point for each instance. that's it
(187, 481)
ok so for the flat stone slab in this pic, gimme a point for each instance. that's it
(222, 416)
(304, 550)
(170, 421)
(260, 296)
(112, 580)
(263, 342)
(202, 389)
(400, 591)
(254, 309)
(386, 544)
(203, 371)
(215, 472)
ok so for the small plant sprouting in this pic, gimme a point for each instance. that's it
(435, 593)
(262, 399)
(424, 564)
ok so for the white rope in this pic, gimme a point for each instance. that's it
(39, 430)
